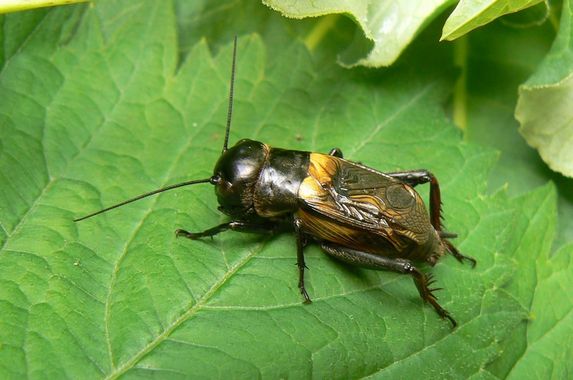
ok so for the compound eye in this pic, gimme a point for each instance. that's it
(224, 188)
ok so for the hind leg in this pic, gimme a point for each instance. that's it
(418, 177)
(369, 260)
(457, 254)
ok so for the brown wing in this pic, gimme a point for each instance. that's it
(355, 205)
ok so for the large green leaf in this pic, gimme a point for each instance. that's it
(545, 107)
(96, 107)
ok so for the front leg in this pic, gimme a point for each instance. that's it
(266, 227)
(369, 260)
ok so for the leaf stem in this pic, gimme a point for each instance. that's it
(552, 16)
(319, 31)
(460, 89)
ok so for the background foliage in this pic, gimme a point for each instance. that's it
(101, 102)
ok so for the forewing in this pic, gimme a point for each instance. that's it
(364, 199)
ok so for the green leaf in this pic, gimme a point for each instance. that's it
(545, 287)
(97, 108)
(548, 352)
(388, 26)
(501, 57)
(22, 5)
(545, 107)
(471, 14)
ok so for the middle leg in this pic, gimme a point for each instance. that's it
(300, 243)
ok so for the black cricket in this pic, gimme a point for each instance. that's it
(357, 214)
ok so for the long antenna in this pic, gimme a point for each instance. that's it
(187, 183)
(212, 180)
(231, 90)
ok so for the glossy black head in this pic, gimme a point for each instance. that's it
(236, 174)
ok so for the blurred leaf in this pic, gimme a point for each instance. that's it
(545, 106)
(22, 5)
(471, 14)
(387, 27)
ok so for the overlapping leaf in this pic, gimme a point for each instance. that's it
(471, 14)
(20, 5)
(545, 107)
(388, 27)
(96, 108)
